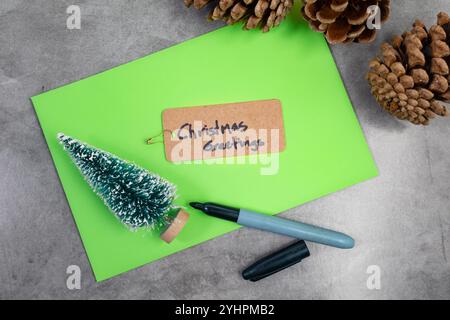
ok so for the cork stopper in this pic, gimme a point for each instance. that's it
(175, 227)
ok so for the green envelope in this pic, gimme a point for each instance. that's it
(118, 109)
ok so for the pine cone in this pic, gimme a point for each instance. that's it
(411, 78)
(344, 21)
(255, 13)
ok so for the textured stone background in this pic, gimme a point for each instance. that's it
(400, 220)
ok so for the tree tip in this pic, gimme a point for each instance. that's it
(64, 139)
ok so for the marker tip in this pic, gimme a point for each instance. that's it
(196, 205)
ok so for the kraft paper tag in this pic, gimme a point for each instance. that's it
(223, 130)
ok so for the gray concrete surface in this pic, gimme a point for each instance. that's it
(401, 220)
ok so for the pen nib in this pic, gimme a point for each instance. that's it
(196, 205)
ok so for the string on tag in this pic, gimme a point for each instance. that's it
(153, 140)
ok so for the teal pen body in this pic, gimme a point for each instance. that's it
(295, 229)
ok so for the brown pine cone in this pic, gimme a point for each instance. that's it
(265, 14)
(344, 21)
(411, 77)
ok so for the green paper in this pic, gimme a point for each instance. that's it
(118, 109)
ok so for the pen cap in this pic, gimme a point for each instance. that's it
(277, 261)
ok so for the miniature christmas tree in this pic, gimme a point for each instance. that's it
(136, 196)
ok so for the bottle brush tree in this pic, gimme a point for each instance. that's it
(137, 197)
